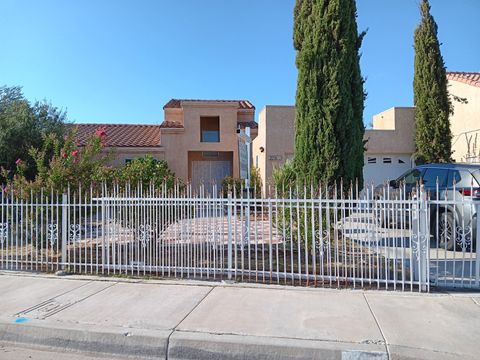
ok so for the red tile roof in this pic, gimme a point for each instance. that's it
(471, 78)
(251, 124)
(122, 135)
(171, 125)
(177, 103)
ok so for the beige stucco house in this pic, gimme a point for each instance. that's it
(198, 138)
(389, 143)
(465, 121)
(389, 146)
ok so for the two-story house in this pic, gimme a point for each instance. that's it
(198, 138)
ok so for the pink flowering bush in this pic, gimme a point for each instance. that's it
(68, 164)
(61, 164)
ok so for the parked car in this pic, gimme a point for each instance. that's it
(458, 184)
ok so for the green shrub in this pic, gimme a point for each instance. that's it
(236, 185)
(147, 171)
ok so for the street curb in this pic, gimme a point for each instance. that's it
(180, 345)
(185, 345)
(121, 341)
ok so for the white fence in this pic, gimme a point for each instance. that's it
(302, 237)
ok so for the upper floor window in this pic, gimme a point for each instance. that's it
(210, 129)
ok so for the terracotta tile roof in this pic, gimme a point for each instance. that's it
(171, 125)
(177, 103)
(122, 135)
(471, 78)
(244, 124)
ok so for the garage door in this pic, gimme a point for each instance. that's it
(380, 168)
(210, 173)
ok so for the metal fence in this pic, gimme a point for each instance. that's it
(406, 240)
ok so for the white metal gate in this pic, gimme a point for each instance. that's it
(300, 237)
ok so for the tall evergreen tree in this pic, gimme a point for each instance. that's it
(330, 97)
(433, 137)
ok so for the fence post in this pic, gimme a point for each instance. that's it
(64, 230)
(421, 240)
(103, 233)
(477, 242)
(229, 229)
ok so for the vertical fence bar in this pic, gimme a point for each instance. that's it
(64, 230)
(477, 241)
(3, 229)
(229, 245)
(425, 238)
(421, 240)
(270, 232)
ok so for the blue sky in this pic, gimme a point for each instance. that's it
(119, 61)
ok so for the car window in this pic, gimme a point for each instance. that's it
(476, 174)
(431, 176)
(411, 178)
(461, 178)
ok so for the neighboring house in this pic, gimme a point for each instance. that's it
(197, 138)
(389, 147)
(465, 121)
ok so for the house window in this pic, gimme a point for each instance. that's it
(256, 161)
(210, 129)
(387, 160)
(372, 160)
(128, 161)
(400, 161)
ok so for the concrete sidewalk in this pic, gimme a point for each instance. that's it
(196, 320)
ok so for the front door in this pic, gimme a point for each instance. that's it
(210, 173)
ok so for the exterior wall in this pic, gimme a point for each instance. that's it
(465, 122)
(245, 115)
(175, 115)
(276, 135)
(392, 132)
(391, 137)
(178, 142)
(258, 149)
(121, 154)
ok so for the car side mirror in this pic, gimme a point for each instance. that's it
(393, 184)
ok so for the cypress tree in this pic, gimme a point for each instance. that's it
(330, 97)
(433, 137)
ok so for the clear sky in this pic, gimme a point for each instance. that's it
(120, 61)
